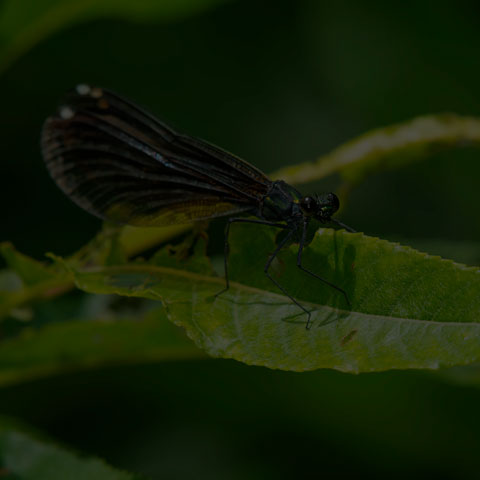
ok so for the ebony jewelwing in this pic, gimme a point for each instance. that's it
(122, 164)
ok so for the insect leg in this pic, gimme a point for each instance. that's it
(227, 245)
(301, 267)
(267, 266)
(342, 225)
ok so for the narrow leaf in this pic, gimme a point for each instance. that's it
(24, 23)
(73, 345)
(26, 456)
(29, 270)
(389, 147)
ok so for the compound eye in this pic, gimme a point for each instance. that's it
(308, 205)
(334, 202)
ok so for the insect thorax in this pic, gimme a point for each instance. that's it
(281, 203)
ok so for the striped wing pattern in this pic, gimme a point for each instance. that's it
(120, 163)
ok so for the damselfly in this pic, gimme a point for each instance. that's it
(122, 164)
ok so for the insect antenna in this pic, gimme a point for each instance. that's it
(341, 224)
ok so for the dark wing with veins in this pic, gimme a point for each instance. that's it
(121, 164)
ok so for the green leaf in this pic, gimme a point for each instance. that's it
(11, 299)
(27, 456)
(88, 343)
(389, 147)
(136, 239)
(28, 281)
(462, 251)
(29, 270)
(24, 23)
(42, 338)
(409, 309)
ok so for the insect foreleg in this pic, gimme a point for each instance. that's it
(283, 242)
(227, 245)
(301, 267)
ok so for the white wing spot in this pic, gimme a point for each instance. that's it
(66, 112)
(83, 89)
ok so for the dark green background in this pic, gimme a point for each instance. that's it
(278, 83)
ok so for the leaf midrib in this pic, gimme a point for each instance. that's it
(247, 288)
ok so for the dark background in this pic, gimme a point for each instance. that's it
(278, 83)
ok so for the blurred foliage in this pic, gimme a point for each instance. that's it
(23, 455)
(277, 82)
(24, 23)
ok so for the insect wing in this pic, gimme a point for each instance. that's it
(120, 163)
